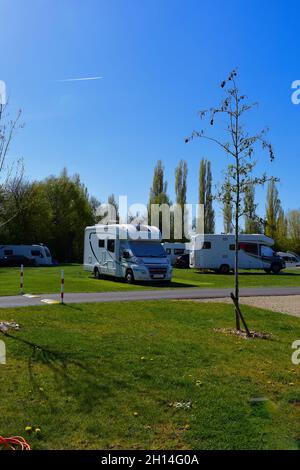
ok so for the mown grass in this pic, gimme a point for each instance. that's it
(120, 368)
(47, 280)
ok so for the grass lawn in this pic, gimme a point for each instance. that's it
(122, 368)
(47, 280)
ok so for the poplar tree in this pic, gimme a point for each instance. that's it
(252, 221)
(209, 211)
(181, 172)
(205, 195)
(273, 210)
(158, 191)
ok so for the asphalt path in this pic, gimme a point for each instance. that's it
(159, 294)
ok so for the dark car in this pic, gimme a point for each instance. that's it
(16, 260)
(183, 261)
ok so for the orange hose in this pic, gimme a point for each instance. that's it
(14, 443)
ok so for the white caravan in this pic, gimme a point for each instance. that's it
(217, 252)
(131, 252)
(40, 253)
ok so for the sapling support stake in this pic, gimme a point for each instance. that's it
(237, 307)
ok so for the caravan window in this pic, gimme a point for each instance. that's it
(101, 243)
(111, 245)
(249, 248)
(8, 252)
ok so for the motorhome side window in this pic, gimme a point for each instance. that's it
(178, 251)
(8, 252)
(101, 243)
(47, 252)
(232, 247)
(36, 253)
(168, 251)
(111, 245)
(206, 246)
(249, 248)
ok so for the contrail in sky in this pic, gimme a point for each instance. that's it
(80, 79)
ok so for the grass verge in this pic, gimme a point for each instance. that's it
(47, 280)
(150, 375)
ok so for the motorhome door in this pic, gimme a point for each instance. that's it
(111, 257)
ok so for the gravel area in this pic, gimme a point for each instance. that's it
(289, 304)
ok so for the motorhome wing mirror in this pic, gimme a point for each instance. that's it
(126, 254)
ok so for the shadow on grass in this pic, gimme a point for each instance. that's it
(160, 284)
(79, 379)
(75, 378)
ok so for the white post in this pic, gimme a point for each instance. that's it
(62, 287)
(22, 279)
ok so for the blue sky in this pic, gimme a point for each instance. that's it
(161, 61)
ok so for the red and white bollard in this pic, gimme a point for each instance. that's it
(62, 287)
(22, 279)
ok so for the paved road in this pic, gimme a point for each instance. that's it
(194, 293)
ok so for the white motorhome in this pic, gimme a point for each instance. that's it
(217, 252)
(131, 252)
(40, 253)
(176, 249)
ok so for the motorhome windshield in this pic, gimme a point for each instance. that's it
(147, 249)
(267, 251)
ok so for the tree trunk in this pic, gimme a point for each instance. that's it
(237, 213)
(236, 273)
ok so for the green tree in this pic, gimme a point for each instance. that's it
(273, 210)
(158, 192)
(205, 195)
(252, 221)
(293, 222)
(32, 223)
(181, 183)
(54, 212)
(180, 191)
(281, 231)
(71, 212)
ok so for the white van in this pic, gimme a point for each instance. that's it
(40, 253)
(217, 252)
(175, 249)
(292, 260)
(131, 252)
